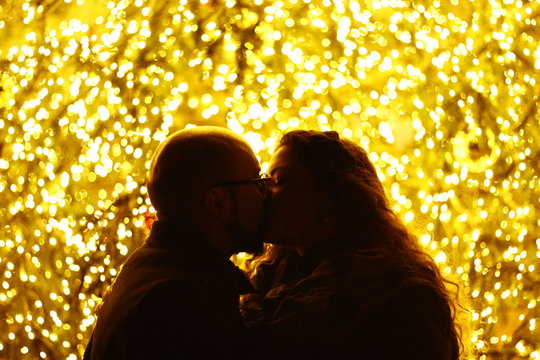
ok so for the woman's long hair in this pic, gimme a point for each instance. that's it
(344, 172)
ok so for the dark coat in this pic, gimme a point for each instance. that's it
(175, 297)
(347, 305)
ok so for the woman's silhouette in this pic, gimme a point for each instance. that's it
(346, 278)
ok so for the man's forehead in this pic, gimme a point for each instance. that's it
(246, 161)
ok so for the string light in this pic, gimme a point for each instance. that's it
(444, 96)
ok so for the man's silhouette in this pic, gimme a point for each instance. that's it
(177, 295)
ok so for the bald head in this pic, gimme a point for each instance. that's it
(189, 162)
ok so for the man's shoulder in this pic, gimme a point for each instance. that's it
(148, 271)
(147, 254)
(169, 295)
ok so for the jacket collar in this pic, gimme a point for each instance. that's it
(195, 253)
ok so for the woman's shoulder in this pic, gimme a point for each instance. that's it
(414, 320)
(420, 298)
(352, 270)
(359, 260)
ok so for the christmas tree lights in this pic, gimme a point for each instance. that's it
(443, 94)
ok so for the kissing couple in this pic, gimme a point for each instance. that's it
(343, 278)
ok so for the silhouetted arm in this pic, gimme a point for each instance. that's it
(162, 325)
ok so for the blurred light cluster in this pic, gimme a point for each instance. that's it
(443, 94)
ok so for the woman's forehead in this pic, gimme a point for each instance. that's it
(281, 158)
(284, 159)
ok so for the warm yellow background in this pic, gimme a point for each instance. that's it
(443, 94)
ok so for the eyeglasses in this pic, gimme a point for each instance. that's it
(262, 183)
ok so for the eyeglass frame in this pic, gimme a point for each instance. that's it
(263, 179)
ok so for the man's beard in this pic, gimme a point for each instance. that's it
(244, 240)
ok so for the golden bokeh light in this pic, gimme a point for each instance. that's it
(443, 94)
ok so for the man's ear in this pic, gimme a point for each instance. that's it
(218, 202)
